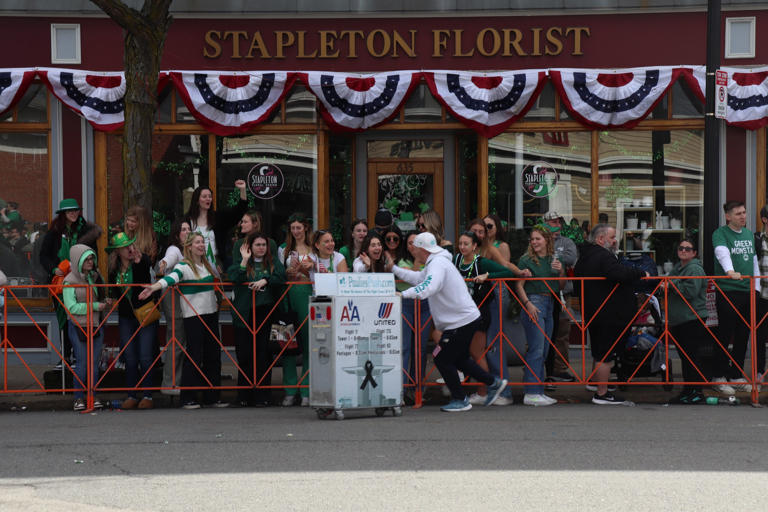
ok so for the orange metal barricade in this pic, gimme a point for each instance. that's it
(664, 287)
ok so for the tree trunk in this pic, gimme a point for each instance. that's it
(145, 33)
(142, 65)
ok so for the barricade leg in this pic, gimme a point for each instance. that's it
(497, 353)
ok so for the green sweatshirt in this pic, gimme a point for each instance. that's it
(243, 295)
(694, 291)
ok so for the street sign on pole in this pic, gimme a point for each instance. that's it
(721, 94)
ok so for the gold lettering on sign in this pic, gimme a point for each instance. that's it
(327, 39)
(235, 35)
(577, 38)
(551, 38)
(510, 43)
(458, 53)
(398, 40)
(379, 43)
(495, 38)
(536, 41)
(439, 41)
(257, 44)
(386, 43)
(302, 54)
(214, 44)
(351, 36)
(284, 39)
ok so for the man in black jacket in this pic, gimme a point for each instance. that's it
(597, 258)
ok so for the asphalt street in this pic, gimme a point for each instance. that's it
(566, 457)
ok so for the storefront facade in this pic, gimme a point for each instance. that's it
(645, 174)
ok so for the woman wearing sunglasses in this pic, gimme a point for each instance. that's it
(393, 243)
(685, 326)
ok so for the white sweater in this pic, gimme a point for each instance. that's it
(440, 282)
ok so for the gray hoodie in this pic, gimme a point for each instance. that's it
(76, 298)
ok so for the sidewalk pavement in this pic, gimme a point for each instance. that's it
(24, 393)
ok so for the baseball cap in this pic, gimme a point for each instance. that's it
(552, 215)
(426, 241)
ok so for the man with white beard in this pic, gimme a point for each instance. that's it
(597, 258)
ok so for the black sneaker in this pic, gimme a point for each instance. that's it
(607, 399)
(549, 384)
(563, 377)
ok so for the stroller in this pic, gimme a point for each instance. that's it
(641, 355)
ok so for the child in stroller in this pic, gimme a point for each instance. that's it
(643, 354)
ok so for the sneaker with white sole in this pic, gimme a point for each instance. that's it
(476, 399)
(305, 401)
(494, 390)
(457, 405)
(607, 399)
(740, 385)
(190, 405)
(538, 400)
(289, 400)
(504, 400)
(723, 388)
(79, 405)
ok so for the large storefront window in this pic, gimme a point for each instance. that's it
(24, 205)
(180, 164)
(466, 168)
(296, 158)
(533, 173)
(340, 155)
(651, 189)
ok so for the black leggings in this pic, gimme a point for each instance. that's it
(205, 351)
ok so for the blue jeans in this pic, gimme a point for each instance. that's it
(80, 349)
(409, 339)
(138, 353)
(538, 345)
(499, 344)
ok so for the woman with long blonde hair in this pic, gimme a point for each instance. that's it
(199, 309)
(138, 225)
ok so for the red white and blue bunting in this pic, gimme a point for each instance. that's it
(228, 103)
(98, 97)
(231, 103)
(358, 102)
(13, 85)
(488, 103)
(616, 99)
(747, 97)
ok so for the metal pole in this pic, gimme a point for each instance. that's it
(711, 210)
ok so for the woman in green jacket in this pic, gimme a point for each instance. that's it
(259, 279)
(686, 329)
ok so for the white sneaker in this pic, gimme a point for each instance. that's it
(503, 400)
(476, 399)
(305, 401)
(741, 385)
(539, 400)
(723, 388)
(289, 400)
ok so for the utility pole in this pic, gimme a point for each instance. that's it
(711, 207)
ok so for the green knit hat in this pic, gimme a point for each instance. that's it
(120, 240)
(68, 205)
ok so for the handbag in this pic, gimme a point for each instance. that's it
(282, 334)
(146, 315)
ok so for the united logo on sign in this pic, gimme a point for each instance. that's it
(265, 181)
(385, 309)
(539, 179)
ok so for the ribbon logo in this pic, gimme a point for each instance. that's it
(368, 375)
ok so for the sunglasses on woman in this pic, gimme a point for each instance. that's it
(393, 239)
(490, 226)
(685, 249)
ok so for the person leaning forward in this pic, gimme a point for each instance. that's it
(597, 258)
(455, 315)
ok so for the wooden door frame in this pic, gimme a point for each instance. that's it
(449, 174)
